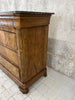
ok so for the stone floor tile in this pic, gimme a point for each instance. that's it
(18, 96)
(2, 89)
(35, 95)
(27, 98)
(7, 84)
(14, 89)
(5, 95)
(42, 89)
(11, 98)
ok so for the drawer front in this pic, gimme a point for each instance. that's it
(9, 54)
(11, 68)
(8, 39)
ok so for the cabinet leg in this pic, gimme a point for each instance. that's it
(24, 91)
(45, 74)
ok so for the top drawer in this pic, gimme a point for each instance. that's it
(8, 39)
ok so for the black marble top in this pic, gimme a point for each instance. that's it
(26, 12)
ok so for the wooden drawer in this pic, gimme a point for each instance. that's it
(9, 54)
(11, 68)
(8, 39)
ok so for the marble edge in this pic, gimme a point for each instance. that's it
(26, 12)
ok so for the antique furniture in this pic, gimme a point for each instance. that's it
(23, 46)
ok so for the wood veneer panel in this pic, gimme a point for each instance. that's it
(8, 39)
(34, 51)
(31, 22)
(9, 54)
(11, 68)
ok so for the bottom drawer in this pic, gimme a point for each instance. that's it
(11, 68)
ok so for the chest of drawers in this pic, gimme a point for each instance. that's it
(23, 46)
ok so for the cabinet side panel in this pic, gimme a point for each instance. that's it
(33, 57)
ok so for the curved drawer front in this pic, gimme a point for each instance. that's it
(8, 39)
(4, 21)
(9, 54)
(11, 68)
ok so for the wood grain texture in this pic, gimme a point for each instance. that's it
(9, 54)
(33, 48)
(32, 21)
(23, 47)
(11, 68)
(8, 39)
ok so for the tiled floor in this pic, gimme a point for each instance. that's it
(54, 87)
